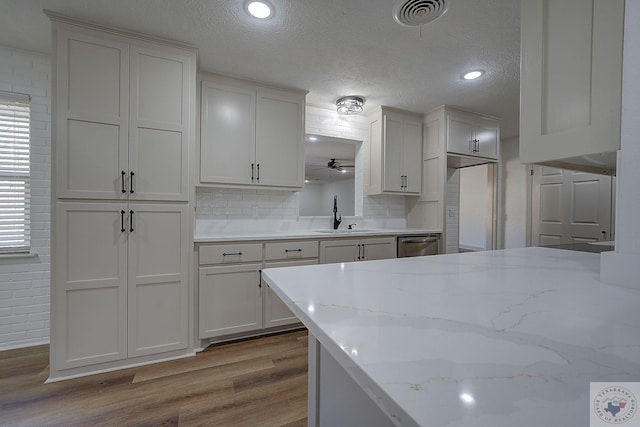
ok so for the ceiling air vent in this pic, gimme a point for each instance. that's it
(414, 13)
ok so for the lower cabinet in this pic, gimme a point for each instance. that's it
(276, 312)
(349, 250)
(230, 299)
(121, 282)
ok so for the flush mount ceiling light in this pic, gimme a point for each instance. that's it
(259, 9)
(472, 75)
(414, 13)
(350, 105)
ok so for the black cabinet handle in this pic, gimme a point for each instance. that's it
(258, 173)
(122, 212)
(252, 166)
(231, 253)
(122, 175)
(406, 181)
(131, 183)
(363, 255)
(358, 251)
(131, 221)
(292, 250)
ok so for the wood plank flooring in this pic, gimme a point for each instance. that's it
(255, 382)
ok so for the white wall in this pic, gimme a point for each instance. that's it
(452, 203)
(311, 200)
(24, 282)
(474, 200)
(513, 222)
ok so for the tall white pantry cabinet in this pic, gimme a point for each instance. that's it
(123, 117)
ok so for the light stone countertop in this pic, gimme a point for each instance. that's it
(250, 236)
(522, 331)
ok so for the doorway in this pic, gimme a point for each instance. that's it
(477, 211)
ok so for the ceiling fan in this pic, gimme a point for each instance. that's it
(338, 164)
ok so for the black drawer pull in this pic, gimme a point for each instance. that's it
(231, 253)
(131, 183)
(122, 175)
(131, 221)
(122, 212)
(292, 250)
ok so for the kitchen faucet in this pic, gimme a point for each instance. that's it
(337, 218)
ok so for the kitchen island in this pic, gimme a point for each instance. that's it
(498, 338)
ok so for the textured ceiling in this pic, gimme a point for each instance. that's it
(331, 48)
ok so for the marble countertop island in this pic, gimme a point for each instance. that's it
(498, 338)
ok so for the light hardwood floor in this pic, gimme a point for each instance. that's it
(256, 382)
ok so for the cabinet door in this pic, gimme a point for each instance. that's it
(230, 300)
(276, 313)
(159, 132)
(459, 134)
(392, 160)
(228, 134)
(378, 248)
(158, 278)
(280, 139)
(570, 80)
(92, 115)
(412, 156)
(89, 293)
(338, 251)
(487, 135)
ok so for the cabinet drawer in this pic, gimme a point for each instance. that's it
(291, 250)
(225, 254)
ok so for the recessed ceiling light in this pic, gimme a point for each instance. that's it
(472, 75)
(259, 9)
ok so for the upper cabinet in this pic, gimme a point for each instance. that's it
(123, 118)
(251, 135)
(396, 152)
(472, 134)
(570, 83)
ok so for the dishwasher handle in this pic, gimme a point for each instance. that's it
(420, 240)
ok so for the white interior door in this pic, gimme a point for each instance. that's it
(569, 207)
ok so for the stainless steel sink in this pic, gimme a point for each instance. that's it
(346, 231)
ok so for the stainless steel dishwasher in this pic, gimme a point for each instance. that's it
(418, 245)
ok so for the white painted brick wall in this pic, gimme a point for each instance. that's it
(24, 282)
(452, 202)
(225, 204)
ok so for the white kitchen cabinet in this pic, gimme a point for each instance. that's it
(229, 289)
(365, 249)
(251, 135)
(230, 299)
(570, 83)
(123, 117)
(121, 281)
(123, 122)
(396, 152)
(276, 312)
(472, 134)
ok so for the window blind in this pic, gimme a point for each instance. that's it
(15, 115)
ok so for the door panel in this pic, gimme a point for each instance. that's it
(459, 135)
(392, 159)
(230, 300)
(279, 140)
(92, 116)
(228, 134)
(412, 156)
(90, 285)
(276, 312)
(379, 248)
(570, 206)
(338, 251)
(159, 130)
(158, 278)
